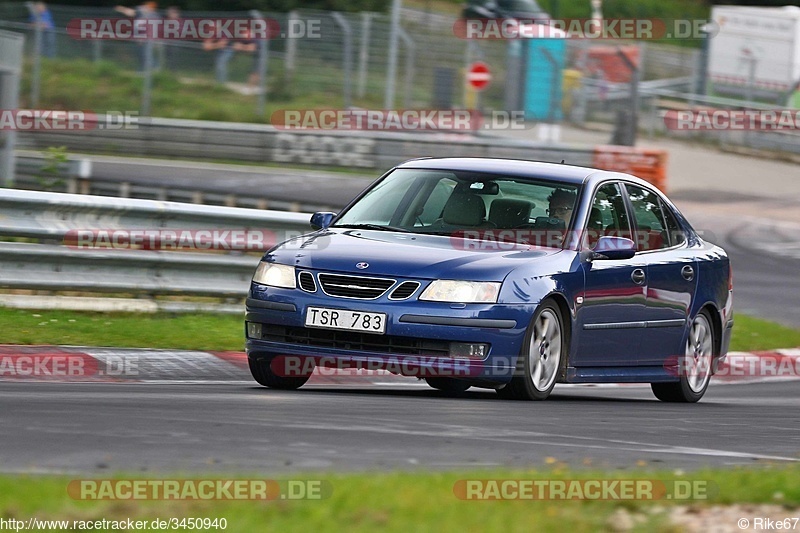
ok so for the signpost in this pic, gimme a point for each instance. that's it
(479, 76)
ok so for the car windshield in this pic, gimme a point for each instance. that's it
(453, 202)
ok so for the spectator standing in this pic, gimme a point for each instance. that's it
(226, 50)
(41, 18)
(140, 15)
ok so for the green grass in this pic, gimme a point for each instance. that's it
(204, 331)
(81, 84)
(751, 334)
(184, 94)
(200, 331)
(407, 501)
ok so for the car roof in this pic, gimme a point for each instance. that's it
(571, 174)
(510, 167)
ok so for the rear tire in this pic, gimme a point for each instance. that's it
(264, 375)
(448, 384)
(543, 356)
(694, 368)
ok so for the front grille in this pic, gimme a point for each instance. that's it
(354, 286)
(351, 340)
(404, 290)
(307, 282)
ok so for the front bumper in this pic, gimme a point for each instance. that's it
(415, 341)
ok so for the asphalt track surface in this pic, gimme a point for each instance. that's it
(239, 427)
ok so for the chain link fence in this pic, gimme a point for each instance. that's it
(331, 60)
(340, 60)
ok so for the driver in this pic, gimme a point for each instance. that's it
(562, 203)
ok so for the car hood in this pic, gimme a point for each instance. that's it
(405, 254)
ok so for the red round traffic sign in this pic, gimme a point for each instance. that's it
(479, 76)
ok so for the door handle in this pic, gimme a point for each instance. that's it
(688, 273)
(638, 276)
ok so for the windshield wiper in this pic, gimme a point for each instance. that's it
(377, 227)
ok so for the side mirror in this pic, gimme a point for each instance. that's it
(322, 219)
(611, 248)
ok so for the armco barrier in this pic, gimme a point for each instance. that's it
(54, 266)
(192, 139)
(78, 175)
(33, 214)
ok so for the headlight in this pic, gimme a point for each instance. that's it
(445, 290)
(275, 275)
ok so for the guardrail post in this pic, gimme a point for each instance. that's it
(79, 170)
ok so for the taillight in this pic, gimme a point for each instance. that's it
(730, 277)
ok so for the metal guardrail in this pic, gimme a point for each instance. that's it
(59, 268)
(44, 214)
(602, 91)
(76, 176)
(193, 139)
(662, 100)
(52, 265)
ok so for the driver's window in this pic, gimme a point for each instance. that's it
(607, 215)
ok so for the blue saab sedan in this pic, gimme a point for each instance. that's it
(502, 274)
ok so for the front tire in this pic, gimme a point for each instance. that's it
(694, 368)
(542, 359)
(264, 374)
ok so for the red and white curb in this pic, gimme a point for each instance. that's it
(783, 365)
(82, 364)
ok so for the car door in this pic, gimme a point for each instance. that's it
(671, 275)
(609, 320)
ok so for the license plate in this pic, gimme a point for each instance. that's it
(320, 317)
